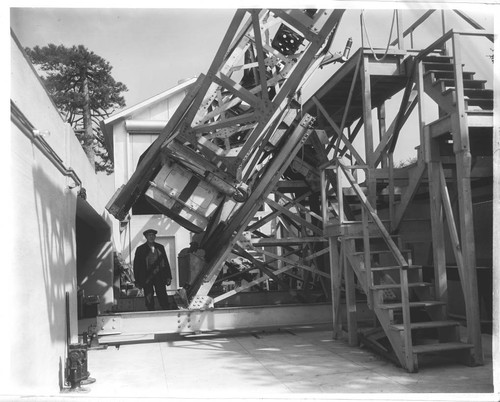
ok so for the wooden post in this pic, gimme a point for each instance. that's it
(367, 119)
(367, 259)
(391, 191)
(381, 125)
(437, 229)
(496, 231)
(336, 278)
(350, 298)
(463, 169)
(401, 43)
(430, 150)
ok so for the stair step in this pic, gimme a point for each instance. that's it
(372, 237)
(468, 84)
(474, 93)
(426, 325)
(398, 306)
(398, 286)
(436, 74)
(440, 347)
(484, 103)
(437, 59)
(438, 66)
(393, 267)
(361, 253)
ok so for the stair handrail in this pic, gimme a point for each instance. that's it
(364, 201)
(473, 23)
(418, 59)
(413, 26)
(427, 14)
(403, 264)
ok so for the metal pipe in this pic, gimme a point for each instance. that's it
(20, 120)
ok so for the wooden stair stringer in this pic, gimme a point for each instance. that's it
(382, 315)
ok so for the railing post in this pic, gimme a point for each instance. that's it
(443, 27)
(405, 301)
(335, 282)
(391, 190)
(340, 194)
(324, 199)
(399, 17)
(367, 257)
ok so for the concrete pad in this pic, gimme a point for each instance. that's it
(292, 363)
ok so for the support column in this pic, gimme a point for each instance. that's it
(368, 128)
(336, 279)
(463, 157)
(350, 301)
(437, 223)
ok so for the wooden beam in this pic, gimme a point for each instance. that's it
(336, 282)
(454, 237)
(350, 298)
(128, 194)
(242, 217)
(218, 61)
(261, 222)
(250, 284)
(287, 241)
(262, 266)
(293, 263)
(332, 123)
(295, 217)
(414, 180)
(294, 23)
(385, 234)
(348, 105)
(298, 205)
(412, 27)
(231, 121)
(463, 168)
(238, 90)
(387, 138)
(260, 54)
(368, 128)
(294, 79)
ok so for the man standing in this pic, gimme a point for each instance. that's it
(152, 271)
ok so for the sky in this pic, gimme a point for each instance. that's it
(152, 49)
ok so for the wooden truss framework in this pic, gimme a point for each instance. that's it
(230, 120)
(457, 121)
(241, 125)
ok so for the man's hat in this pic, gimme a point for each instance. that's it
(148, 231)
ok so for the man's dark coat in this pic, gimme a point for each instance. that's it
(141, 272)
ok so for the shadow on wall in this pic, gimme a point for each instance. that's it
(94, 263)
(55, 215)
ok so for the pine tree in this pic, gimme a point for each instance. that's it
(81, 86)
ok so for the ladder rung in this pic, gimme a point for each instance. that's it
(425, 325)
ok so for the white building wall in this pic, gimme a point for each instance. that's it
(43, 247)
(128, 147)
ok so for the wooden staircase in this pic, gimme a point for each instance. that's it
(427, 331)
(413, 320)
(440, 86)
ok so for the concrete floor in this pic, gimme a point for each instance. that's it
(294, 363)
